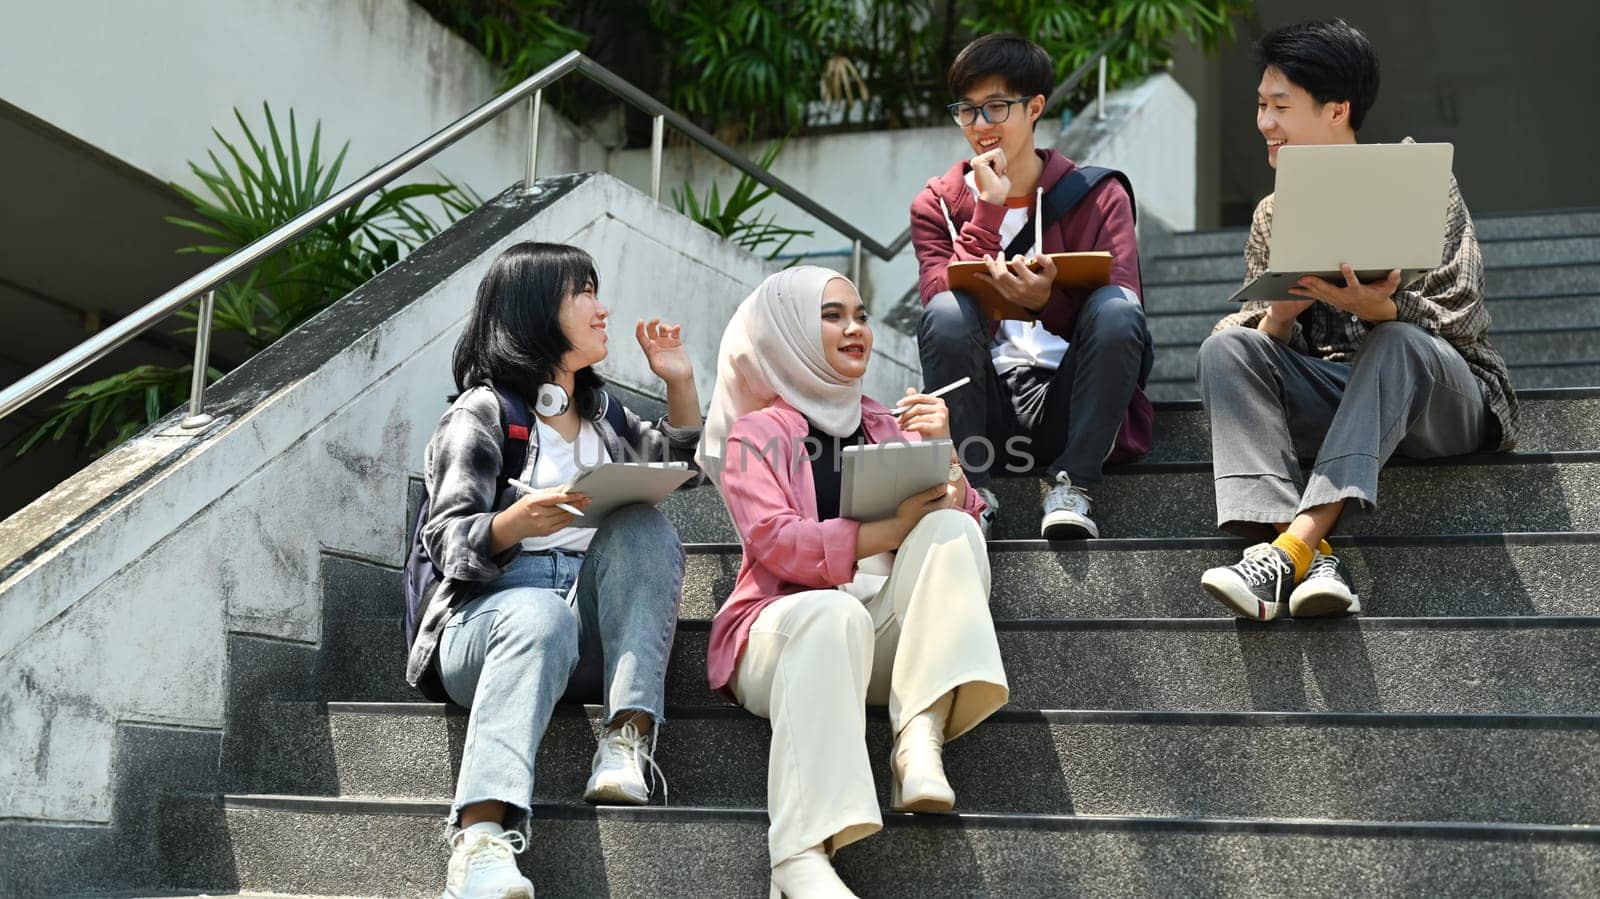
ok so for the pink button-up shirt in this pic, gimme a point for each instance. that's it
(767, 485)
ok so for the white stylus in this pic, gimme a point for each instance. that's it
(1038, 223)
(1038, 234)
(959, 382)
(562, 506)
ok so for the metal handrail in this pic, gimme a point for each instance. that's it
(204, 283)
(97, 347)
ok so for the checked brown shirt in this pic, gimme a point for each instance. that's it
(1447, 301)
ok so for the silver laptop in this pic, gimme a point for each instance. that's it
(1378, 207)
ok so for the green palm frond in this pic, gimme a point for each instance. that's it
(256, 183)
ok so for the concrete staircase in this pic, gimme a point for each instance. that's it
(1445, 743)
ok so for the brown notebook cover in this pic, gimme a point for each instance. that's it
(1073, 270)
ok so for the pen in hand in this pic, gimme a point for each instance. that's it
(528, 489)
(959, 382)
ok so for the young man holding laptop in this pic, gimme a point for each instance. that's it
(1349, 371)
(1060, 390)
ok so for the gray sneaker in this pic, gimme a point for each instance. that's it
(987, 516)
(1066, 512)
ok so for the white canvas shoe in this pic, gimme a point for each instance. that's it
(1066, 513)
(619, 774)
(483, 865)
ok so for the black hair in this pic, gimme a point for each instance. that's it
(1023, 65)
(1332, 61)
(513, 337)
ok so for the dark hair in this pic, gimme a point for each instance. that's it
(1020, 63)
(1332, 61)
(513, 337)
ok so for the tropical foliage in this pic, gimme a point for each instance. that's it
(737, 218)
(251, 188)
(792, 66)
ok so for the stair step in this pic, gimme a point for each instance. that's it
(1507, 281)
(394, 848)
(1509, 315)
(1229, 264)
(1575, 374)
(1487, 665)
(1560, 420)
(1542, 224)
(1511, 574)
(1512, 492)
(1236, 765)
(1176, 361)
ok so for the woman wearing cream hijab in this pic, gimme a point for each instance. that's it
(808, 638)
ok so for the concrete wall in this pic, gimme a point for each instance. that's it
(1148, 132)
(145, 82)
(118, 589)
(867, 179)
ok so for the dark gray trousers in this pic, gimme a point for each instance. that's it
(1031, 418)
(1406, 391)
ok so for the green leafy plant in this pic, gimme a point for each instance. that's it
(732, 61)
(1145, 30)
(519, 36)
(759, 68)
(254, 188)
(735, 218)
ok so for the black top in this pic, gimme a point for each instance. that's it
(826, 466)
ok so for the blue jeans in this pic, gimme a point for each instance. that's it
(511, 653)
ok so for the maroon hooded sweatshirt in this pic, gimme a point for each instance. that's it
(1103, 220)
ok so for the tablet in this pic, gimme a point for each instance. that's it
(876, 479)
(616, 484)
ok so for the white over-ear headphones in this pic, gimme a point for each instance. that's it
(551, 401)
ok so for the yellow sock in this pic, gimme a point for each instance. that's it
(1299, 553)
(1324, 548)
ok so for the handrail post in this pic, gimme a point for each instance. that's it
(658, 131)
(855, 263)
(197, 418)
(1102, 114)
(535, 107)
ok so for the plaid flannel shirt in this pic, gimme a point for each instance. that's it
(1447, 301)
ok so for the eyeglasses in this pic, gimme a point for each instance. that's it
(994, 111)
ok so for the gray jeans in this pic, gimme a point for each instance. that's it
(510, 654)
(1406, 391)
(1062, 420)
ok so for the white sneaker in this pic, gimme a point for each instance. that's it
(618, 777)
(987, 516)
(1066, 512)
(483, 865)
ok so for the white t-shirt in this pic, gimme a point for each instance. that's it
(1021, 343)
(559, 462)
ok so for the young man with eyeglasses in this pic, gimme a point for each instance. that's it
(1062, 391)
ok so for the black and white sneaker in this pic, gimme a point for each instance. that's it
(1257, 586)
(991, 509)
(1327, 590)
